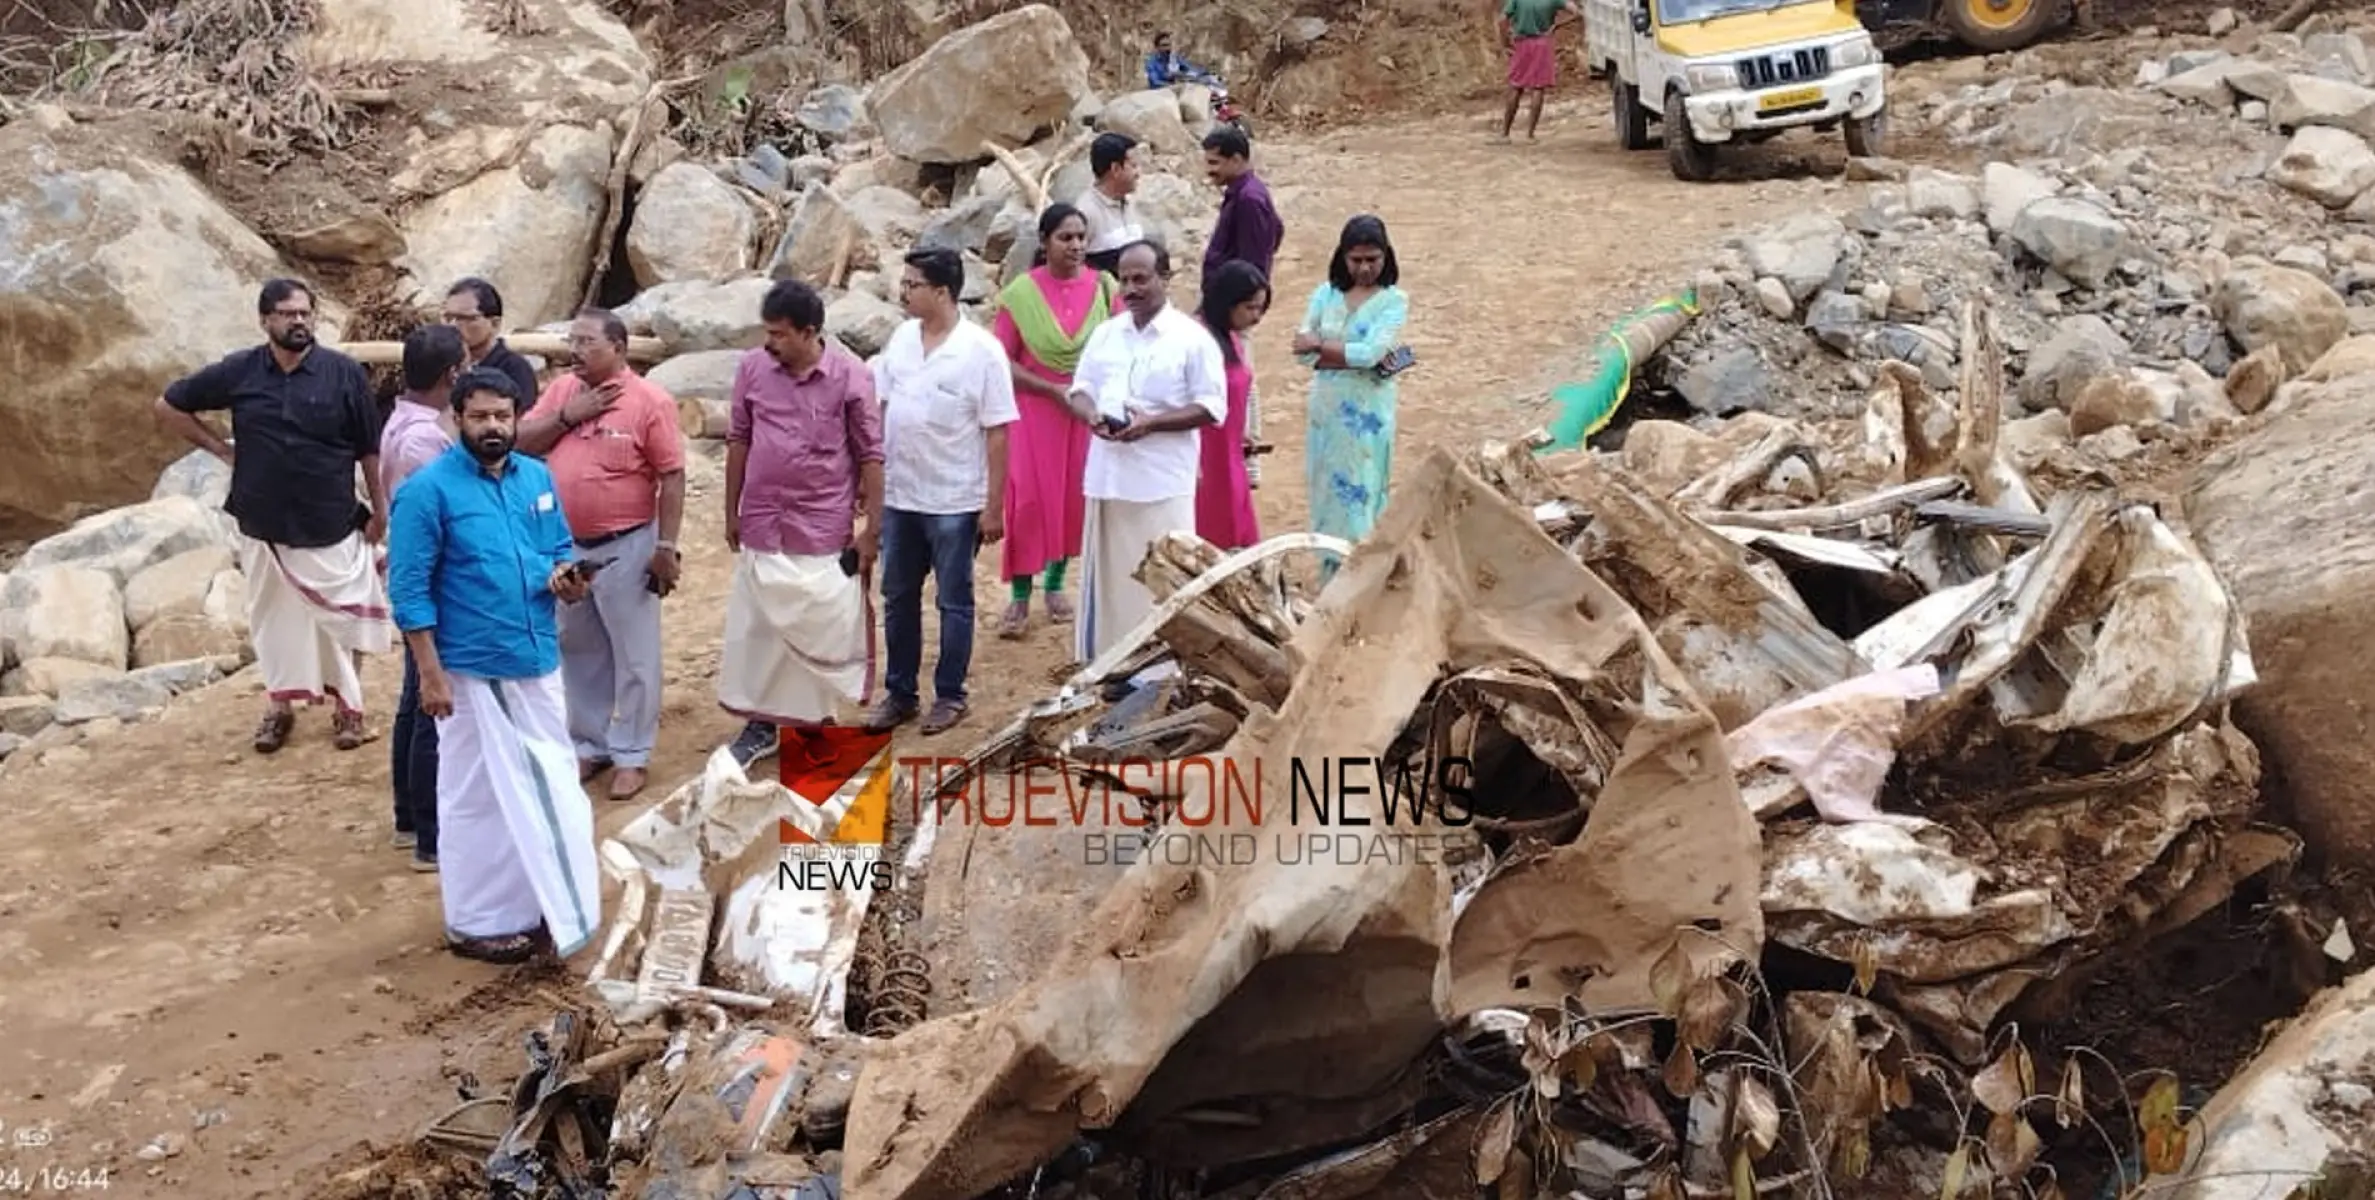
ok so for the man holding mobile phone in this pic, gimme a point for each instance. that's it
(515, 830)
(1149, 379)
(609, 436)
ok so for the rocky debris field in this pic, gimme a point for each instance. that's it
(2175, 244)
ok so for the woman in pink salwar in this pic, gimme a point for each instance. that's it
(1233, 304)
(1044, 319)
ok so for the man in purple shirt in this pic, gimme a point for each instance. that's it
(415, 433)
(1248, 228)
(803, 517)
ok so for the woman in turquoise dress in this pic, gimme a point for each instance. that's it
(1354, 321)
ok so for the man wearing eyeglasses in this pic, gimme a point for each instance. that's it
(302, 420)
(475, 309)
(609, 437)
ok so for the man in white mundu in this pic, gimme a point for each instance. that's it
(1148, 380)
(479, 557)
(303, 420)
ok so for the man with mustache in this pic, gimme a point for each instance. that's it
(303, 420)
(610, 437)
(479, 555)
(1149, 378)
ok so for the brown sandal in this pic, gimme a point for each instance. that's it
(346, 729)
(273, 731)
(944, 714)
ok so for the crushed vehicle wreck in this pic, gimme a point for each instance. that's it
(1779, 802)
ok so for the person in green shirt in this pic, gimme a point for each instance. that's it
(1526, 27)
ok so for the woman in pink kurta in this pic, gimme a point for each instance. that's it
(1234, 302)
(1044, 319)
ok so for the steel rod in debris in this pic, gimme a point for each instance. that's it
(1983, 518)
(1837, 516)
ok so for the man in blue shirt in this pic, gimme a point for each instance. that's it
(479, 556)
(1165, 67)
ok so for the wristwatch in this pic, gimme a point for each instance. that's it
(670, 547)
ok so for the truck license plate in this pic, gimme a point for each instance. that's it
(1789, 98)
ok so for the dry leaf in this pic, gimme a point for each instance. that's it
(1854, 1156)
(1900, 1091)
(1867, 965)
(1756, 1118)
(2069, 1104)
(1957, 1165)
(1495, 1141)
(1580, 1068)
(1708, 1009)
(1744, 1176)
(1682, 1072)
(2012, 1145)
(1666, 1186)
(1668, 976)
(2164, 1149)
(2002, 1086)
(2158, 1108)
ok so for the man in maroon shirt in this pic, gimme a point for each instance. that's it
(1248, 228)
(803, 513)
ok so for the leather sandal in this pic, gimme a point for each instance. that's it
(346, 730)
(587, 768)
(273, 731)
(945, 713)
(628, 782)
(504, 950)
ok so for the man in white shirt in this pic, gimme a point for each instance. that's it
(947, 400)
(1105, 207)
(1148, 380)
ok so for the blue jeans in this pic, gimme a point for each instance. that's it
(412, 764)
(914, 545)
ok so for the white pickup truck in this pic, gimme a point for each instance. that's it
(1711, 72)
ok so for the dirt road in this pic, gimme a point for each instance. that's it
(218, 954)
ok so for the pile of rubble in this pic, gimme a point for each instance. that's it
(1794, 785)
(2158, 233)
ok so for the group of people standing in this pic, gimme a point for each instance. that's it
(530, 536)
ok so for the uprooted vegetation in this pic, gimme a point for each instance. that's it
(1740, 896)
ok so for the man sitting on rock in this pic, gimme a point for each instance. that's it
(1165, 67)
(516, 832)
(302, 420)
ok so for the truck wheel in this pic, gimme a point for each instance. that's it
(1632, 121)
(1868, 138)
(1693, 160)
(1997, 25)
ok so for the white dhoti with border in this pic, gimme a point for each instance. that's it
(799, 639)
(310, 610)
(1114, 540)
(515, 832)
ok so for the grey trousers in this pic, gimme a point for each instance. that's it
(610, 655)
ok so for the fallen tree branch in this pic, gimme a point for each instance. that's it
(2291, 18)
(549, 346)
(1032, 192)
(621, 166)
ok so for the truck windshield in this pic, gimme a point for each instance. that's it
(1683, 12)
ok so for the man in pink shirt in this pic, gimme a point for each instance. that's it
(609, 437)
(415, 433)
(803, 518)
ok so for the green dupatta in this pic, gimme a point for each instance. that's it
(1042, 333)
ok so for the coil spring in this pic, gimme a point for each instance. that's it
(901, 995)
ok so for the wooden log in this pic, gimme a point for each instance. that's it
(698, 417)
(552, 347)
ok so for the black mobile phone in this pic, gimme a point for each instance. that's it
(849, 561)
(586, 568)
(1116, 424)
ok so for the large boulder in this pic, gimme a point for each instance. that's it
(2281, 512)
(690, 224)
(118, 274)
(126, 541)
(1003, 80)
(508, 180)
(2262, 304)
(1152, 117)
(68, 612)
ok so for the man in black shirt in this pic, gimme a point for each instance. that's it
(302, 421)
(474, 307)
